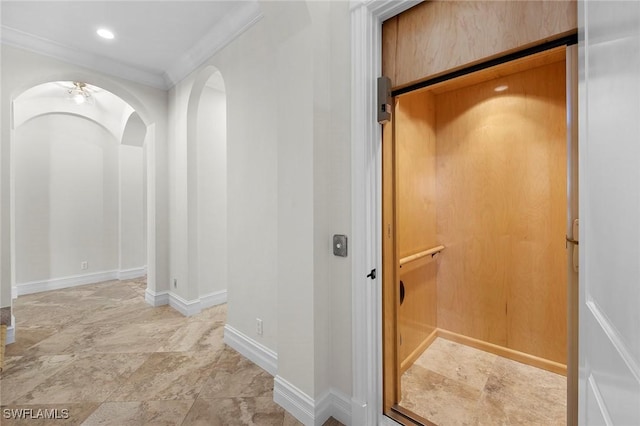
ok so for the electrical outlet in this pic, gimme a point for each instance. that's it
(84, 265)
(259, 326)
(175, 283)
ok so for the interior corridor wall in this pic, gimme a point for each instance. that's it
(132, 252)
(212, 191)
(21, 70)
(288, 187)
(66, 171)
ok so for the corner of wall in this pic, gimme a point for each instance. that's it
(185, 307)
(156, 299)
(295, 401)
(308, 411)
(11, 331)
(132, 273)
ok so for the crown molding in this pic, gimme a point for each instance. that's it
(20, 39)
(232, 26)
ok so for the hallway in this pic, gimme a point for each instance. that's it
(100, 352)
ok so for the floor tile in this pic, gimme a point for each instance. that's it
(171, 375)
(524, 395)
(437, 398)
(194, 336)
(27, 336)
(454, 384)
(23, 374)
(141, 413)
(67, 414)
(87, 378)
(458, 362)
(260, 411)
(101, 352)
(235, 376)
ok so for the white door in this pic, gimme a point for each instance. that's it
(609, 93)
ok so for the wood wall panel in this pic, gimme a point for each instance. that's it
(415, 190)
(501, 212)
(415, 173)
(389, 40)
(435, 37)
(417, 314)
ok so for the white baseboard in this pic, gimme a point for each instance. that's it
(11, 332)
(296, 402)
(185, 307)
(75, 280)
(129, 274)
(156, 299)
(339, 408)
(332, 403)
(249, 348)
(65, 282)
(213, 299)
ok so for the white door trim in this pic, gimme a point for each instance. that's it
(366, 180)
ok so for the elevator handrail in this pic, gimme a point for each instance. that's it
(432, 251)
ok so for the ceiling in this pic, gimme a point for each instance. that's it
(156, 43)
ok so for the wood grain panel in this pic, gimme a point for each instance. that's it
(415, 189)
(501, 186)
(435, 37)
(389, 40)
(415, 173)
(417, 314)
(523, 64)
(524, 358)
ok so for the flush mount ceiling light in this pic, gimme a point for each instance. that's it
(80, 94)
(105, 33)
(501, 88)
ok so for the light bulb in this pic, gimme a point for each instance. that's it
(78, 98)
(105, 33)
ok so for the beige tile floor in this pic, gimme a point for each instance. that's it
(100, 352)
(452, 384)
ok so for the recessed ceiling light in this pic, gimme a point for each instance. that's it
(105, 33)
(501, 88)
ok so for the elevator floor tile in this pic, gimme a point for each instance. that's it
(453, 384)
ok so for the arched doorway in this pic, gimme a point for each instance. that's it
(207, 187)
(78, 196)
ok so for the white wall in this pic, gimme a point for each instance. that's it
(288, 187)
(180, 277)
(66, 181)
(332, 196)
(212, 191)
(287, 85)
(22, 70)
(132, 249)
(78, 198)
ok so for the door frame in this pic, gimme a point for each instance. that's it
(366, 207)
(366, 162)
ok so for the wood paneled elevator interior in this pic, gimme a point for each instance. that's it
(475, 197)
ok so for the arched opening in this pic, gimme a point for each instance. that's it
(207, 187)
(79, 187)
